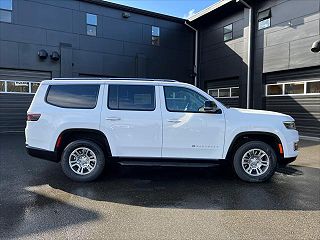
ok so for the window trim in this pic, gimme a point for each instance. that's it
(263, 19)
(136, 110)
(224, 33)
(49, 87)
(29, 87)
(165, 100)
(290, 82)
(218, 89)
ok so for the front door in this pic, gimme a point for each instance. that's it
(131, 120)
(188, 131)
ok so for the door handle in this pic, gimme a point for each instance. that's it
(174, 120)
(113, 118)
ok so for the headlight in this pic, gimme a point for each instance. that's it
(290, 125)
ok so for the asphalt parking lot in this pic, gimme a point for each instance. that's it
(38, 202)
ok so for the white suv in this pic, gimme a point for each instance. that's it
(89, 123)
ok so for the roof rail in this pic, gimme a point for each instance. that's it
(127, 79)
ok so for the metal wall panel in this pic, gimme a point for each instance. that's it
(14, 106)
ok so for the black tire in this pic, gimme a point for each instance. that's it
(268, 171)
(97, 170)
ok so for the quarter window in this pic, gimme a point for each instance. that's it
(180, 99)
(228, 32)
(131, 97)
(155, 38)
(92, 22)
(6, 11)
(264, 19)
(73, 96)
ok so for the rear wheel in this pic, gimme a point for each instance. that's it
(82, 160)
(255, 162)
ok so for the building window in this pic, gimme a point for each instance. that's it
(264, 19)
(26, 87)
(155, 38)
(6, 11)
(229, 92)
(92, 22)
(293, 88)
(228, 32)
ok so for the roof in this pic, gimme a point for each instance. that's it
(135, 10)
(209, 9)
(115, 79)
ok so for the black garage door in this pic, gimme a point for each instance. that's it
(17, 88)
(297, 94)
(225, 91)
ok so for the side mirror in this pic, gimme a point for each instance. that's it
(211, 107)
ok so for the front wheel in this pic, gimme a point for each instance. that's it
(255, 161)
(82, 160)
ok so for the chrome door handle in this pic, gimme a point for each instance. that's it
(174, 120)
(113, 118)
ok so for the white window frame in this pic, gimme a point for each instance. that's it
(6, 87)
(218, 89)
(283, 88)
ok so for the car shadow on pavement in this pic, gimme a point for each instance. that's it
(292, 188)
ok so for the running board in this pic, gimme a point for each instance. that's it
(167, 164)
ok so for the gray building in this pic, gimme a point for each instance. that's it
(41, 39)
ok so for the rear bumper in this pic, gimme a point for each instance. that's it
(41, 153)
(286, 161)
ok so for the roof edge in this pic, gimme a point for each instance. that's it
(135, 10)
(209, 9)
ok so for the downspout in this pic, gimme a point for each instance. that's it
(249, 50)
(195, 66)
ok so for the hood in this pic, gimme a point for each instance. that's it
(254, 112)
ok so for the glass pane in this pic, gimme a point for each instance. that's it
(155, 41)
(2, 88)
(131, 97)
(73, 96)
(18, 87)
(274, 89)
(34, 87)
(224, 92)
(264, 24)
(92, 19)
(91, 30)
(180, 99)
(6, 4)
(227, 29)
(294, 88)
(155, 31)
(213, 92)
(227, 36)
(313, 87)
(234, 92)
(5, 16)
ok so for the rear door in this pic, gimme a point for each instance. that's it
(131, 120)
(188, 131)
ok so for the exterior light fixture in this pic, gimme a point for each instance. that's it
(42, 54)
(125, 15)
(55, 56)
(315, 47)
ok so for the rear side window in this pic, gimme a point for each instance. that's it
(73, 96)
(131, 97)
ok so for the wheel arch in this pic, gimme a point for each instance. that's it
(267, 137)
(73, 134)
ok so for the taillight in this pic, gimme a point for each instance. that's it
(33, 116)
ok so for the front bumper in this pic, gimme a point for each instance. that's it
(41, 153)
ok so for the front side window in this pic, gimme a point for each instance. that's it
(180, 99)
(6, 11)
(264, 19)
(155, 38)
(73, 96)
(92, 22)
(228, 32)
(131, 97)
